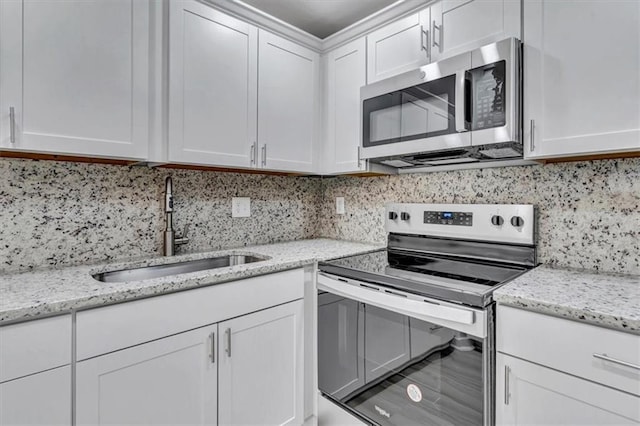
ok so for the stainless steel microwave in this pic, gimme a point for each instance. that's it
(463, 109)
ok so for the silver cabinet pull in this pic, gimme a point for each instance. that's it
(12, 124)
(359, 158)
(507, 371)
(254, 153)
(264, 154)
(424, 42)
(532, 128)
(212, 355)
(227, 334)
(438, 28)
(604, 357)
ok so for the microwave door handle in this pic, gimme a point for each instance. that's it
(461, 99)
(398, 304)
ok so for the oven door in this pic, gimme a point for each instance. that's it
(418, 111)
(395, 360)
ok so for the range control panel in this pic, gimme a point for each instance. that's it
(448, 218)
(509, 223)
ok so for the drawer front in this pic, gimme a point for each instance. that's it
(570, 346)
(103, 330)
(34, 346)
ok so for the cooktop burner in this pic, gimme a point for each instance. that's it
(454, 253)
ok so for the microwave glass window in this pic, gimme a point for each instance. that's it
(488, 104)
(416, 112)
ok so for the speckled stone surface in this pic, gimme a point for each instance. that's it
(610, 300)
(33, 294)
(55, 214)
(589, 211)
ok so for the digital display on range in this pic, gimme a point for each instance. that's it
(448, 218)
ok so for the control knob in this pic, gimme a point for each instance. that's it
(517, 221)
(393, 215)
(404, 216)
(497, 220)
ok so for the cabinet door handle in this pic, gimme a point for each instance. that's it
(438, 28)
(532, 144)
(424, 42)
(359, 159)
(264, 154)
(212, 355)
(253, 153)
(12, 124)
(604, 357)
(507, 371)
(227, 334)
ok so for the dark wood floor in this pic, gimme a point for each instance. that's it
(451, 386)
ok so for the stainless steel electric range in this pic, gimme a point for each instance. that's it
(406, 334)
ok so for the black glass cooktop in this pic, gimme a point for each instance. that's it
(466, 280)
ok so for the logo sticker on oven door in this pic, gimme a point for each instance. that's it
(414, 392)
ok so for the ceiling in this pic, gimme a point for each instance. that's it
(320, 17)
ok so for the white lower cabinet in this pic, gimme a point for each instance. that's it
(261, 360)
(231, 353)
(35, 372)
(551, 370)
(167, 381)
(530, 394)
(39, 399)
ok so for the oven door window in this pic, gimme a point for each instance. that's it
(397, 370)
(416, 112)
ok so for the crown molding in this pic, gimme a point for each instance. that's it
(257, 17)
(265, 21)
(372, 22)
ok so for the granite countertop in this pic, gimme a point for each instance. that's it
(609, 300)
(32, 294)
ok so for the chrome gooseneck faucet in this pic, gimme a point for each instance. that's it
(170, 239)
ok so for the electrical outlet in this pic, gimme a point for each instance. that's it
(240, 207)
(340, 205)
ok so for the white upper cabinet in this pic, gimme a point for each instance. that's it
(74, 77)
(345, 73)
(288, 104)
(458, 26)
(398, 47)
(213, 87)
(581, 77)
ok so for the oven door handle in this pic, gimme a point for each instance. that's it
(412, 308)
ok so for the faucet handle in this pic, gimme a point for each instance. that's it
(185, 232)
(183, 239)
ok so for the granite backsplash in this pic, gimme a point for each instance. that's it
(589, 212)
(63, 213)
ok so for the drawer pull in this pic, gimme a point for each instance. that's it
(604, 357)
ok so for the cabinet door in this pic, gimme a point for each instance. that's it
(213, 87)
(261, 368)
(340, 345)
(39, 399)
(76, 75)
(581, 79)
(168, 381)
(288, 104)
(346, 73)
(387, 344)
(529, 394)
(398, 47)
(458, 26)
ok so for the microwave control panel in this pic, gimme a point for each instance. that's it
(448, 218)
(488, 99)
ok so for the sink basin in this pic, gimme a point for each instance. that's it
(148, 272)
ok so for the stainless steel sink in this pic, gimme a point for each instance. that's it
(148, 272)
